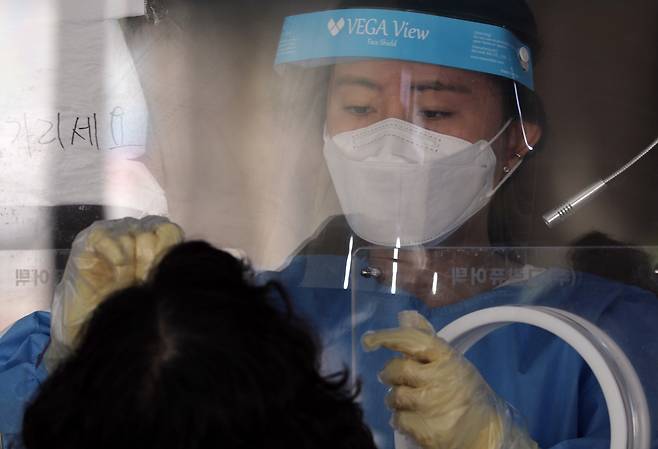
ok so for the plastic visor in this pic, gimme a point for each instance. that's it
(324, 37)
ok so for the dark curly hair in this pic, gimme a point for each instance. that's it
(200, 356)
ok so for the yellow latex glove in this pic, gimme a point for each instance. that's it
(106, 257)
(437, 397)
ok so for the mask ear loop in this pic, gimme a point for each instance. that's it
(501, 131)
(518, 108)
(511, 171)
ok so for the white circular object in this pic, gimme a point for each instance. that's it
(524, 54)
(524, 58)
(624, 396)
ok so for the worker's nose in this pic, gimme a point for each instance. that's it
(397, 107)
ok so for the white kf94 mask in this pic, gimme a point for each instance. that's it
(396, 180)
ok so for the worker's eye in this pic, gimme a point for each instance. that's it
(434, 114)
(359, 109)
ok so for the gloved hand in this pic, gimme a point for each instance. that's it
(437, 397)
(106, 257)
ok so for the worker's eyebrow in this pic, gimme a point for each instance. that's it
(350, 80)
(437, 85)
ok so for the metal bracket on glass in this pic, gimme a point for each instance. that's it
(371, 272)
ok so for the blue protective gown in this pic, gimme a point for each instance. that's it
(542, 377)
(21, 370)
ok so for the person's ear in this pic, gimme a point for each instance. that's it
(516, 144)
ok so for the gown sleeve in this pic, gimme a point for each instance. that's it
(21, 372)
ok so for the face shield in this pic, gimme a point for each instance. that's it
(423, 118)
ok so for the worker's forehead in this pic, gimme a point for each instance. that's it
(391, 71)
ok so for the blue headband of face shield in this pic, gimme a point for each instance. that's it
(326, 37)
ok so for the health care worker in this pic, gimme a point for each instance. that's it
(429, 110)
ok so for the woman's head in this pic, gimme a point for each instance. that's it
(199, 356)
(400, 68)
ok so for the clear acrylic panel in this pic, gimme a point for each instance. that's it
(538, 373)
